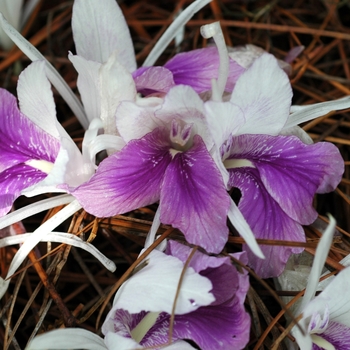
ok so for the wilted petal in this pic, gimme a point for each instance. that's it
(267, 220)
(291, 171)
(68, 338)
(264, 94)
(150, 80)
(197, 68)
(128, 179)
(100, 30)
(194, 199)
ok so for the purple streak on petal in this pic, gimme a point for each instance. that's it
(197, 68)
(292, 171)
(13, 180)
(338, 335)
(128, 179)
(194, 199)
(20, 139)
(149, 80)
(267, 220)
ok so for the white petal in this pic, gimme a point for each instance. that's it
(153, 288)
(88, 84)
(12, 10)
(4, 284)
(173, 29)
(264, 94)
(116, 85)
(99, 30)
(241, 225)
(27, 11)
(319, 260)
(36, 98)
(224, 119)
(36, 236)
(301, 114)
(115, 341)
(68, 338)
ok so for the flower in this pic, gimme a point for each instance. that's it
(273, 169)
(36, 152)
(142, 307)
(325, 318)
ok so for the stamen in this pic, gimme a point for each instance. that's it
(42, 165)
(214, 31)
(321, 342)
(238, 163)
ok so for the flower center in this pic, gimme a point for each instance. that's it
(238, 163)
(321, 342)
(179, 136)
(42, 165)
(144, 326)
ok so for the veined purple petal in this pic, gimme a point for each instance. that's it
(20, 138)
(337, 334)
(197, 68)
(291, 171)
(194, 199)
(128, 179)
(267, 220)
(13, 180)
(150, 80)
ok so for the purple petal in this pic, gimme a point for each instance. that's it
(20, 139)
(194, 199)
(13, 181)
(149, 80)
(291, 171)
(128, 179)
(337, 334)
(197, 68)
(267, 220)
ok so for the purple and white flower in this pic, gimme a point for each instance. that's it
(277, 174)
(209, 310)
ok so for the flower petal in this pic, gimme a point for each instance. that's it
(267, 220)
(100, 30)
(338, 335)
(291, 171)
(13, 181)
(88, 85)
(153, 288)
(149, 80)
(194, 199)
(264, 94)
(128, 179)
(197, 68)
(68, 338)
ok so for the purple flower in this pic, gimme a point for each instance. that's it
(166, 158)
(277, 175)
(224, 324)
(36, 153)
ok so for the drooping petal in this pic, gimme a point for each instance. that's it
(128, 179)
(264, 94)
(267, 220)
(197, 68)
(149, 80)
(291, 171)
(12, 182)
(68, 338)
(88, 84)
(194, 199)
(100, 30)
(154, 286)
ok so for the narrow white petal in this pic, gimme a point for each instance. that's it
(319, 260)
(173, 29)
(241, 225)
(37, 235)
(27, 10)
(301, 114)
(68, 338)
